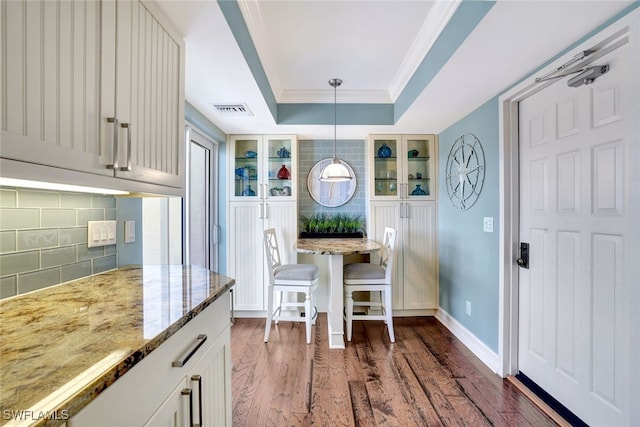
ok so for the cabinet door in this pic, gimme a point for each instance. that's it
(284, 218)
(246, 254)
(418, 159)
(385, 155)
(387, 214)
(245, 168)
(419, 260)
(149, 95)
(280, 168)
(50, 110)
(210, 382)
(143, 90)
(174, 411)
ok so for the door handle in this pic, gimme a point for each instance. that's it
(127, 168)
(198, 379)
(523, 260)
(114, 164)
(188, 392)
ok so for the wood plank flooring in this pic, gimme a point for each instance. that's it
(427, 378)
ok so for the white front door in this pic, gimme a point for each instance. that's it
(575, 191)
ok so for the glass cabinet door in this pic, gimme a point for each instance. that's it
(385, 167)
(280, 168)
(417, 169)
(246, 168)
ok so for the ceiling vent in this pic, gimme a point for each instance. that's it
(233, 109)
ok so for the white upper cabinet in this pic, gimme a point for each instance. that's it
(401, 167)
(93, 86)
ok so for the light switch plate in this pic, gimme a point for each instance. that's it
(101, 233)
(488, 224)
(129, 231)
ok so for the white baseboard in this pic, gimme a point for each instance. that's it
(477, 347)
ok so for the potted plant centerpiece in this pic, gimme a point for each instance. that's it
(324, 225)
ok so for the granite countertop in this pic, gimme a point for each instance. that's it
(336, 246)
(61, 346)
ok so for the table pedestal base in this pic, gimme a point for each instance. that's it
(336, 302)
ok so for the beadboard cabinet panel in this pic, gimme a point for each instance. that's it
(51, 84)
(246, 255)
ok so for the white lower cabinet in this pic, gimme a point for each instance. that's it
(246, 262)
(415, 285)
(155, 393)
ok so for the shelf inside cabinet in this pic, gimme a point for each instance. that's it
(418, 158)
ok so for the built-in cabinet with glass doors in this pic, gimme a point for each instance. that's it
(402, 193)
(262, 176)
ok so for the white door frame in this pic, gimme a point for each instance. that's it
(509, 197)
(194, 133)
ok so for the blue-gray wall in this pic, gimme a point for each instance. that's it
(468, 255)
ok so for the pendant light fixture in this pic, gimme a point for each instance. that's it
(335, 171)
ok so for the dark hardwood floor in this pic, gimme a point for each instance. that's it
(427, 378)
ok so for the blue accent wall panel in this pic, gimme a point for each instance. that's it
(347, 114)
(468, 255)
(233, 15)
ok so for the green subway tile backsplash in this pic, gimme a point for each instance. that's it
(43, 238)
(37, 239)
(58, 256)
(13, 219)
(7, 241)
(19, 262)
(38, 199)
(8, 286)
(75, 271)
(58, 217)
(8, 198)
(38, 279)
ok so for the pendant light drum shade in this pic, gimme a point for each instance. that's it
(335, 171)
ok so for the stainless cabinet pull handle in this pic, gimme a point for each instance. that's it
(184, 357)
(114, 164)
(187, 392)
(266, 210)
(127, 126)
(198, 378)
(407, 210)
(400, 210)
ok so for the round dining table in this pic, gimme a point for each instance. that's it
(336, 249)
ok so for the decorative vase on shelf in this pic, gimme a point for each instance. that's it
(283, 152)
(248, 191)
(384, 151)
(413, 153)
(418, 191)
(283, 173)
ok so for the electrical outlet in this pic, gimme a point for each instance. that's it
(488, 224)
(468, 308)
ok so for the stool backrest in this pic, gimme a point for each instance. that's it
(273, 254)
(387, 253)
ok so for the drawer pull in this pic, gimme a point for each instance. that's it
(184, 357)
(198, 378)
(187, 392)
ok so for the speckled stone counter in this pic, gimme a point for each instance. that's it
(61, 346)
(337, 246)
